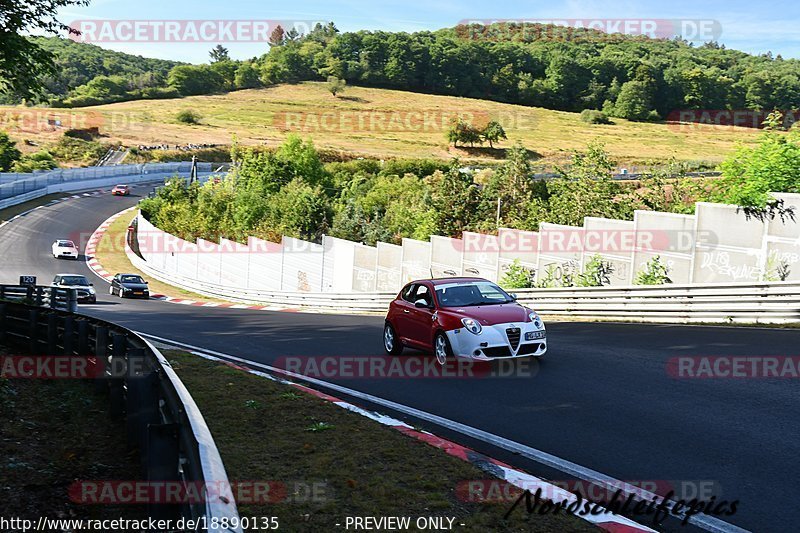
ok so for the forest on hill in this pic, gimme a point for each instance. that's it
(632, 77)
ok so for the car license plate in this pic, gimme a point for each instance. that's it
(138, 292)
(533, 335)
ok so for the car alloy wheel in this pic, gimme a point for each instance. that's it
(441, 349)
(390, 342)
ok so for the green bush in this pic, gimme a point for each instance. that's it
(593, 116)
(654, 273)
(188, 116)
(596, 273)
(517, 277)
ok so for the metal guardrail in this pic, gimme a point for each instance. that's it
(162, 419)
(41, 296)
(767, 302)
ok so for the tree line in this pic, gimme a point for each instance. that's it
(631, 77)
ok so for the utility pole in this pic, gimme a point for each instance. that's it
(193, 173)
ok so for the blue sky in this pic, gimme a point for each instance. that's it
(745, 25)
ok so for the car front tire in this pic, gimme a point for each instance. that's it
(391, 343)
(442, 349)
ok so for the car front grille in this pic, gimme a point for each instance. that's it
(527, 349)
(513, 335)
(497, 351)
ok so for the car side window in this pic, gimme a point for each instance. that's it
(423, 293)
(407, 293)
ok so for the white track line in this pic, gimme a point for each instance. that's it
(705, 522)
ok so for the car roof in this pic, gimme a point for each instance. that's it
(127, 274)
(120, 185)
(67, 274)
(443, 281)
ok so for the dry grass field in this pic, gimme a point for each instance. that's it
(371, 122)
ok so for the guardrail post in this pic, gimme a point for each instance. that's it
(162, 464)
(83, 338)
(69, 335)
(2, 292)
(101, 358)
(52, 333)
(119, 347)
(33, 331)
(3, 323)
(72, 300)
(39, 296)
(29, 293)
(53, 301)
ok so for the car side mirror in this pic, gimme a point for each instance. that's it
(513, 296)
(91, 284)
(421, 304)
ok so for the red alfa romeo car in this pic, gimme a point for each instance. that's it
(463, 317)
(121, 190)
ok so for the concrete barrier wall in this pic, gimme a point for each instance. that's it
(716, 245)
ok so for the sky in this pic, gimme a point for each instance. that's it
(739, 24)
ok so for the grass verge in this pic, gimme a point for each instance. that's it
(266, 431)
(54, 432)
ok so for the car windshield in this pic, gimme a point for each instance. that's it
(74, 280)
(66, 243)
(470, 294)
(131, 279)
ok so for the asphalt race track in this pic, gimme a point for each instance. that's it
(602, 397)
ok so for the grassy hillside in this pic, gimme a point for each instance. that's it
(266, 116)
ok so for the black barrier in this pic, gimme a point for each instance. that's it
(162, 421)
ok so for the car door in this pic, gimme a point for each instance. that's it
(402, 315)
(421, 318)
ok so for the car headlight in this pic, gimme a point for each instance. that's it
(537, 321)
(472, 325)
(91, 290)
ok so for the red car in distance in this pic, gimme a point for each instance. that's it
(121, 190)
(462, 317)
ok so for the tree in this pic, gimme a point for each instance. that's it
(195, 79)
(277, 37)
(751, 173)
(219, 53)
(493, 132)
(23, 63)
(336, 85)
(462, 131)
(9, 153)
(635, 101)
(246, 76)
